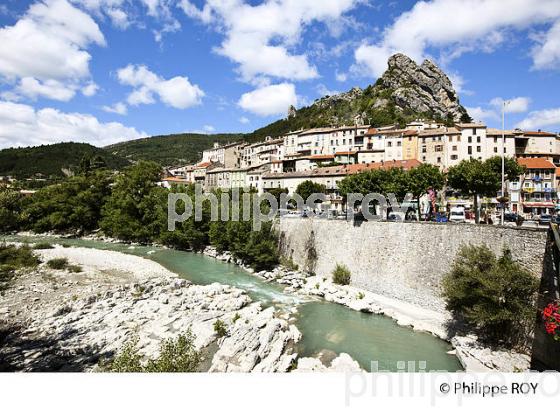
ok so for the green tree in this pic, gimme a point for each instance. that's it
(494, 296)
(11, 204)
(137, 207)
(474, 177)
(423, 177)
(72, 205)
(307, 188)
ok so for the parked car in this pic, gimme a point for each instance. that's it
(511, 217)
(457, 214)
(545, 219)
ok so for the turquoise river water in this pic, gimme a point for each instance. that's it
(327, 328)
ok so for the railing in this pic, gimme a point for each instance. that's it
(556, 258)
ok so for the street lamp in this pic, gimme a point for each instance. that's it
(504, 105)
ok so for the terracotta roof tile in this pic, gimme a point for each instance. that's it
(535, 163)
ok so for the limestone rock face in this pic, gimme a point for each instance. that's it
(421, 88)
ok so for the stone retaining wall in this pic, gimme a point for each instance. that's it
(401, 260)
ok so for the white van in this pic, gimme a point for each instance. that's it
(457, 214)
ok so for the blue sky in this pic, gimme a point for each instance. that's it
(103, 71)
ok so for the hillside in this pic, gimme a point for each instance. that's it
(406, 91)
(173, 149)
(52, 161)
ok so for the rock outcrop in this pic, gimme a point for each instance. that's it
(421, 88)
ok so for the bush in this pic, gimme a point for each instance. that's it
(58, 263)
(289, 263)
(495, 297)
(43, 245)
(175, 356)
(220, 328)
(13, 258)
(341, 275)
(74, 268)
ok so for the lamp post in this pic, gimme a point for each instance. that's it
(504, 105)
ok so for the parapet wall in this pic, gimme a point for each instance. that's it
(402, 260)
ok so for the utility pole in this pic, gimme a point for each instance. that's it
(504, 105)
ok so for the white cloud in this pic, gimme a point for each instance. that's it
(209, 128)
(244, 120)
(53, 89)
(119, 18)
(322, 90)
(457, 25)
(47, 45)
(118, 108)
(514, 105)
(22, 125)
(260, 38)
(341, 77)
(176, 92)
(481, 114)
(269, 100)
(547, 53)
(90, 89)
(541, 119)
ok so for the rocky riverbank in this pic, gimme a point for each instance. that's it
(472, 354)
(56, 320)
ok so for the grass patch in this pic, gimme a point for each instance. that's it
(74, 268)
(43, 245)
(58, 263)
(289, 263)
(341, 275)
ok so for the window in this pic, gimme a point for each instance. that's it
(496, 149)
(470, 150)
(478, 148)
(478, 140)
(474, 131)
(424, 150)
(458, 138)
(438, 148)
(470, 140)
(451, 138)
(495, 140)
(439, 160)
(424, 158)
(389, 144)
(454, 157)
(454, 148)
(399, 143)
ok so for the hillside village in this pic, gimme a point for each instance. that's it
(327, 155)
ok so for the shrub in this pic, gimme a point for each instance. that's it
(289, 263)
(175, 356)
(43, 245)
(341, 275)
(236, 317)
(58, 263)
(495, 297)
(220, 328)
(74, 268)
(13, 258)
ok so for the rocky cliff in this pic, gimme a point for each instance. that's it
(406, 91)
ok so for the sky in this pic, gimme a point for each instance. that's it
(106, 71)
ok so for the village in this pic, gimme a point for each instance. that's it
(327, 155)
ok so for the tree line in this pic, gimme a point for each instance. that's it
(131, 206)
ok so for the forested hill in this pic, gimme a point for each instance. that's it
(53, 161)
(174, 149)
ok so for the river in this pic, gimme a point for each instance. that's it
(375, 341)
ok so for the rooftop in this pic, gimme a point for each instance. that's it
(535, 163)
